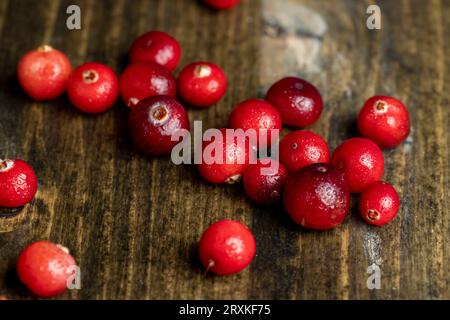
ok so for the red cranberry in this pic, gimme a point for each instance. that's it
(18, 183)
(43, 73)
(317, 197)
(298, 101)
(264, 183)
(153, 121)
(221, 4)
(379, 203)
(301, 148)
(93, 87)
(236, 155)
(227, 247)
(384, 120)
(146, 79)
(45, 268)
(258, 115)
(158, 47)
(202, 84)
(362, 162)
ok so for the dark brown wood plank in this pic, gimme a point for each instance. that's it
(133, 222)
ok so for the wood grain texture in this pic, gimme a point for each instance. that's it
(133, 222)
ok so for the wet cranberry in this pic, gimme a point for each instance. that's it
(146, 79)
(298, 101)
(93, 87)
(379, 203)
(153, 122)
(156, 46)
(43, 73)
(258, 115)
(226, 247)
(384, 120)
(317, 197)
(362, 162)
(18, 183)
(46, 268)
(264, 181)
(226, 157)
(301, 148)
(202, 84)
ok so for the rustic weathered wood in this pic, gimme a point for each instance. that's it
(133, 222)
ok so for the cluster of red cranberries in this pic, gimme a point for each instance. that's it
(314, 186)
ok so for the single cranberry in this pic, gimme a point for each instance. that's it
(301, 148)
(221, 4)
(202, 84)
(298, 101)
(227, 247)
(317, 197)
(226, 157)
(46, 268)
(264, 182)
(158, 47)
(379, 203)
(384, 120)
(362, 162)
(146, 79)
(258, 115)
(93, 87)
(153, 122)
(43, 73)
(18, 183)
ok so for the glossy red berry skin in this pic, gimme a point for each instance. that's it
(202, 84)
(236, 156)
(93, 87)
(141, 80)
(43, 73)
(153, 121)
(264, 182)
(301, 148)
(18, 183)
(258, 115)
(227, 247)
(362, 162)
(298, 101)
(158, 47)
(45, 268)
(379, 203)
(317, 197)
(384, 120)
(221, 4)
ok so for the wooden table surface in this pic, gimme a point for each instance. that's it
(133, 222)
